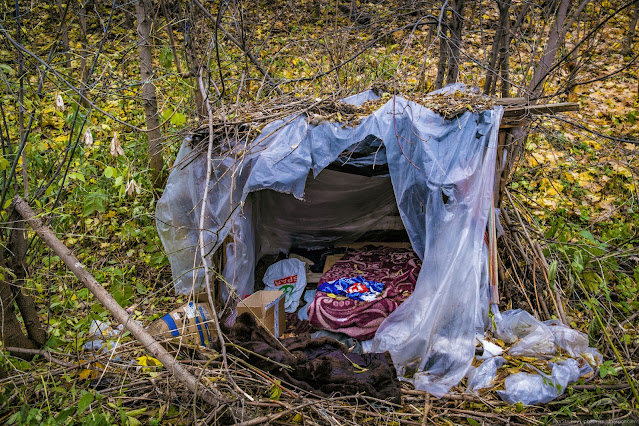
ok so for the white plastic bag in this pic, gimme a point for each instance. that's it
(483, 376)
(530, 336)
(540, 388)
(574, 342)
(289, 276)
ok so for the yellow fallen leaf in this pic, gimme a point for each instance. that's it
(593, 197)
(621, 169)
(87, 374)
(584, 178)
(148, 361)
(587, 181)
(550, 203)
(595, 145)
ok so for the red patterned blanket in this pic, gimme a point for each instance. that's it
(397, 268)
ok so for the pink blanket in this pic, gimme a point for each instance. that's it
(397, 268)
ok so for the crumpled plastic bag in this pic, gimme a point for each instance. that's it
(104, 337)
(574, 342)
(532, 337)
(540, 388)
(288, 276)
(103, 329)
(490, 349)
(481, 377)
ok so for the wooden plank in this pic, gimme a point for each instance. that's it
(510, 101)
(519, 111)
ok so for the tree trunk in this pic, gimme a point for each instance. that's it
(504, 50)
(17, 263)
(193, 62)
(84, 70)
(443, 51)
(457, 23)
(22, 75)
(316, 9)
(169, 30)
(554, 40)
(501, 45)
(143, 12)
(65, 32)
(632, 30)
(10, 328)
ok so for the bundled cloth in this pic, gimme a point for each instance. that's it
(320, 366)
(357, 288)
(397, 268)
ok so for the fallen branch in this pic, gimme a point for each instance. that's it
(105, 298)
(44, 353)
(629, 319)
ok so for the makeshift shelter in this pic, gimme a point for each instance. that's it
(437, 173)
(309, 183)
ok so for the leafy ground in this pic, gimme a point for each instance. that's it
(86, 167)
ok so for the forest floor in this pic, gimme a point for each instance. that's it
(575, 187)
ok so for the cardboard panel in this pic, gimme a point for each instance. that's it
(331, 259)
(268, 307)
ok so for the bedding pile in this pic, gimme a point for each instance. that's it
(397, 268)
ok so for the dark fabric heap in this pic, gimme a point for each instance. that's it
(320, 366)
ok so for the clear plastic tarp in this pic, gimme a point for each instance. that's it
(273, 193)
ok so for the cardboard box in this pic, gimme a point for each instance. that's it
(331, 260)
(191, 323)
(268, 307)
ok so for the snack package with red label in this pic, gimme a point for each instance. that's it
(289, 276)
(358, 288)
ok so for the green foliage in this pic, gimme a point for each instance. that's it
(607, 368)
(275, 392)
